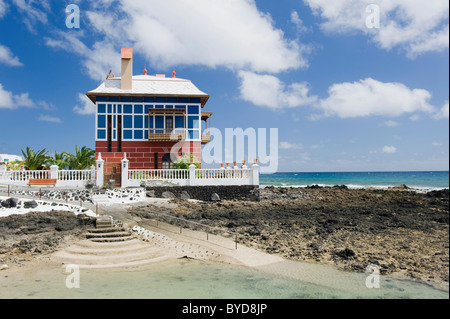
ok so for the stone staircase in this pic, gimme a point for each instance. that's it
(108, 246)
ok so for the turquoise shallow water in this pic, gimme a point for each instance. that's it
(420, 180)
(189, 279)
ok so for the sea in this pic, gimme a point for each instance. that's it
(421, 181)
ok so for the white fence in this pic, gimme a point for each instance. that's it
(190, 177)
(64, 178)
(135, 177)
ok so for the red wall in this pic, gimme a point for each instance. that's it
(142, 154)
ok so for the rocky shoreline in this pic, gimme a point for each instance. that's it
(400, 230)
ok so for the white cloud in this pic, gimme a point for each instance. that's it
(436, 144)
(8, 100)
(443, 113)
(295, 19)
(270, 91)
(96, 61)
(7, 57)
(48, 118)
(391, 123)
(86, 108)
(3, 8)
(212, 33)
(371, 97)
(414, 26)
(33, 12)
(290, 146)
(389, 149)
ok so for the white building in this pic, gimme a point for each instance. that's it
(6, 158)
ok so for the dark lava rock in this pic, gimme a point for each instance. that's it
(30, 204)
(345, 253)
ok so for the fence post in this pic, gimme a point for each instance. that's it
(192, 175)
(99, 166)
(125, 164)
(54, 172)
(255, 173)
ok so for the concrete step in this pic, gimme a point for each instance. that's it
(111, 239)
(88, 254)
(108, 234)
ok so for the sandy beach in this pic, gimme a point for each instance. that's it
(402, 231)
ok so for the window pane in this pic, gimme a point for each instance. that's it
(101, 134)
(128, 121)
(128, 134)
(138, 121)
(138, 135)
(193, 109)
(119, 108)
(101, 123)
(102, 108)
(128, 109)
(138, 109)
(194, 135)
(146, 121)
(109, 108)
(179, 121)
(151, 119)
(159, 121)
(193, 122)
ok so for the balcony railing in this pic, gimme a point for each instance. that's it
(167, 135)
(206, 137)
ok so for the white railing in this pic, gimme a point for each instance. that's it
(24, 176)
(158, 174)
(65, 178)
(74, 175)
(191, 176)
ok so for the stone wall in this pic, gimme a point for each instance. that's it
(205, 193)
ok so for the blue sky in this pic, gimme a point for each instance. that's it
(344, 97)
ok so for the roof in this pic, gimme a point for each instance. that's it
(149, 85)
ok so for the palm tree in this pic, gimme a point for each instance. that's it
(35, 160)
(83, 158)
(14, 166)
(61, 160)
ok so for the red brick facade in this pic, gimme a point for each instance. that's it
(142, 154)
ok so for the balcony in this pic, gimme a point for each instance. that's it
(206, 137)
(167, 135)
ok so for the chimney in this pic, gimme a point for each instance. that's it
(127, 69)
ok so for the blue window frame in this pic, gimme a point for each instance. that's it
(102, 108)
(193, 122)
(150, 121)
(138, 121)
(128, 121)
(179, 121)
(101, 121)
(128, 109)
(128, 134)
(193, 109)
(159, 121)
(138, 109)
(101, 134)
(193, 134)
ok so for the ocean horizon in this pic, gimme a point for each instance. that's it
(420, 180)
